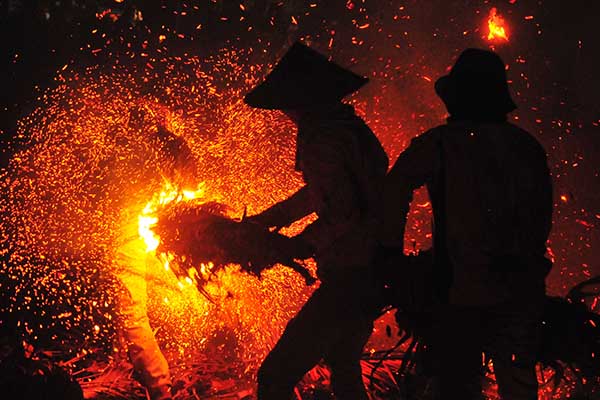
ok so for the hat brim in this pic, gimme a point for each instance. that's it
(304, 78)
(272, 96)
(449, 90)
(441, 87)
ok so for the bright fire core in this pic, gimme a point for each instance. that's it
(496, 26)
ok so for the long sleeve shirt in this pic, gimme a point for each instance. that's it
(343, 165)
(491, 194)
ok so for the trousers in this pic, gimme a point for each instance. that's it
(144, 352)
(509, 333)
(334, 325)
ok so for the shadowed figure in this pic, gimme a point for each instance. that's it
(491, 193)
(343, 166)
(153, 155)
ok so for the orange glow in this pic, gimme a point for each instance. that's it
(497, 26)
(147, 218)
(94, 173)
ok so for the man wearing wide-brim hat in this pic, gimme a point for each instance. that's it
(343, 165)
(491, 194)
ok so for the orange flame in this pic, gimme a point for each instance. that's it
(147, 218)
(497, 26)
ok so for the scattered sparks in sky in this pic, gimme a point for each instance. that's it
(85, 170)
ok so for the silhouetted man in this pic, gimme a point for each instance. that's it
(491, 192)
(148, 155)
(343, 165)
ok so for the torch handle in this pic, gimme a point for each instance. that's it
(304, 272)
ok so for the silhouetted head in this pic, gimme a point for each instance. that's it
(476, 87)
(304, 79)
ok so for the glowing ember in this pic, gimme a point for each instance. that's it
(497, 26)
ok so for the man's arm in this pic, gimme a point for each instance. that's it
(414, 167)
(285, 212)
(540, 211)
(333, 189)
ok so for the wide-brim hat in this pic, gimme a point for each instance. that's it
(476, 84)
(303, 78)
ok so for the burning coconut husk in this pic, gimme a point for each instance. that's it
(200, 238)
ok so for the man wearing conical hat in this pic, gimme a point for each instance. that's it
(343, 165)
(491, 193)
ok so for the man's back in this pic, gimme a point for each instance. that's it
(343, 165)
(494, 186)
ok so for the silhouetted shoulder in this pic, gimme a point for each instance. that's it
(424, 145)
(431, 135)
(526, 144)
(350, 139)
(328, 137)
(527, 138)
(419, 162)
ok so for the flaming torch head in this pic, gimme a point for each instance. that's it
(497, 27)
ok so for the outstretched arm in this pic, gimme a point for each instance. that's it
(414, 167)
(287, 211)
(334, 189)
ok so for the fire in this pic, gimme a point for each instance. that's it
(86, 171)
(497, 26)
(148, 218)
(59, 221)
